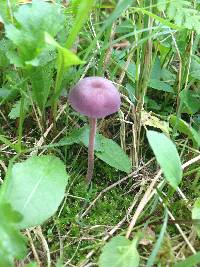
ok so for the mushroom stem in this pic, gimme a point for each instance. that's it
(93, 127)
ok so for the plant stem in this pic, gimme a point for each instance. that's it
(93, 127)
(21, 121)
(58, 83)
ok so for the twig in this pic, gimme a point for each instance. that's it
(42, 139)
(142, 203)
(181, 232)
(33, 248)
(38, 231)
(133, 174)
(112, 231)
(146, 198)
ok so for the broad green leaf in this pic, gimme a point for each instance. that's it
(12, 243)
(158, 77)
(32, 21)
(81, 136)
(190, 261)
(195, 68)
(190, 101)
(156, 69)
(119, 252)
(160, 85)
(196, 215)
(105, 149)
(36, 188)
(113, 155)
(8, 214)
(186, 129)
(5, 260)
(67, 56)
(167, 157)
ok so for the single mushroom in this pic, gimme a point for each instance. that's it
(95, 97)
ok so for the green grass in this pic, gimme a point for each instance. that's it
(155, 63)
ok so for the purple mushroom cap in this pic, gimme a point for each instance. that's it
(95, 97)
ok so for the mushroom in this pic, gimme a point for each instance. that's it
(95, 97)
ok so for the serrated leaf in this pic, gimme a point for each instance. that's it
(15, 111)
(28, 36)
(181, 12)
(186, 129)
(41, 81)
(167, 157)
(119, 252)
(5, 46)
(36, 188)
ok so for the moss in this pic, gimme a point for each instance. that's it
(87, 233)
